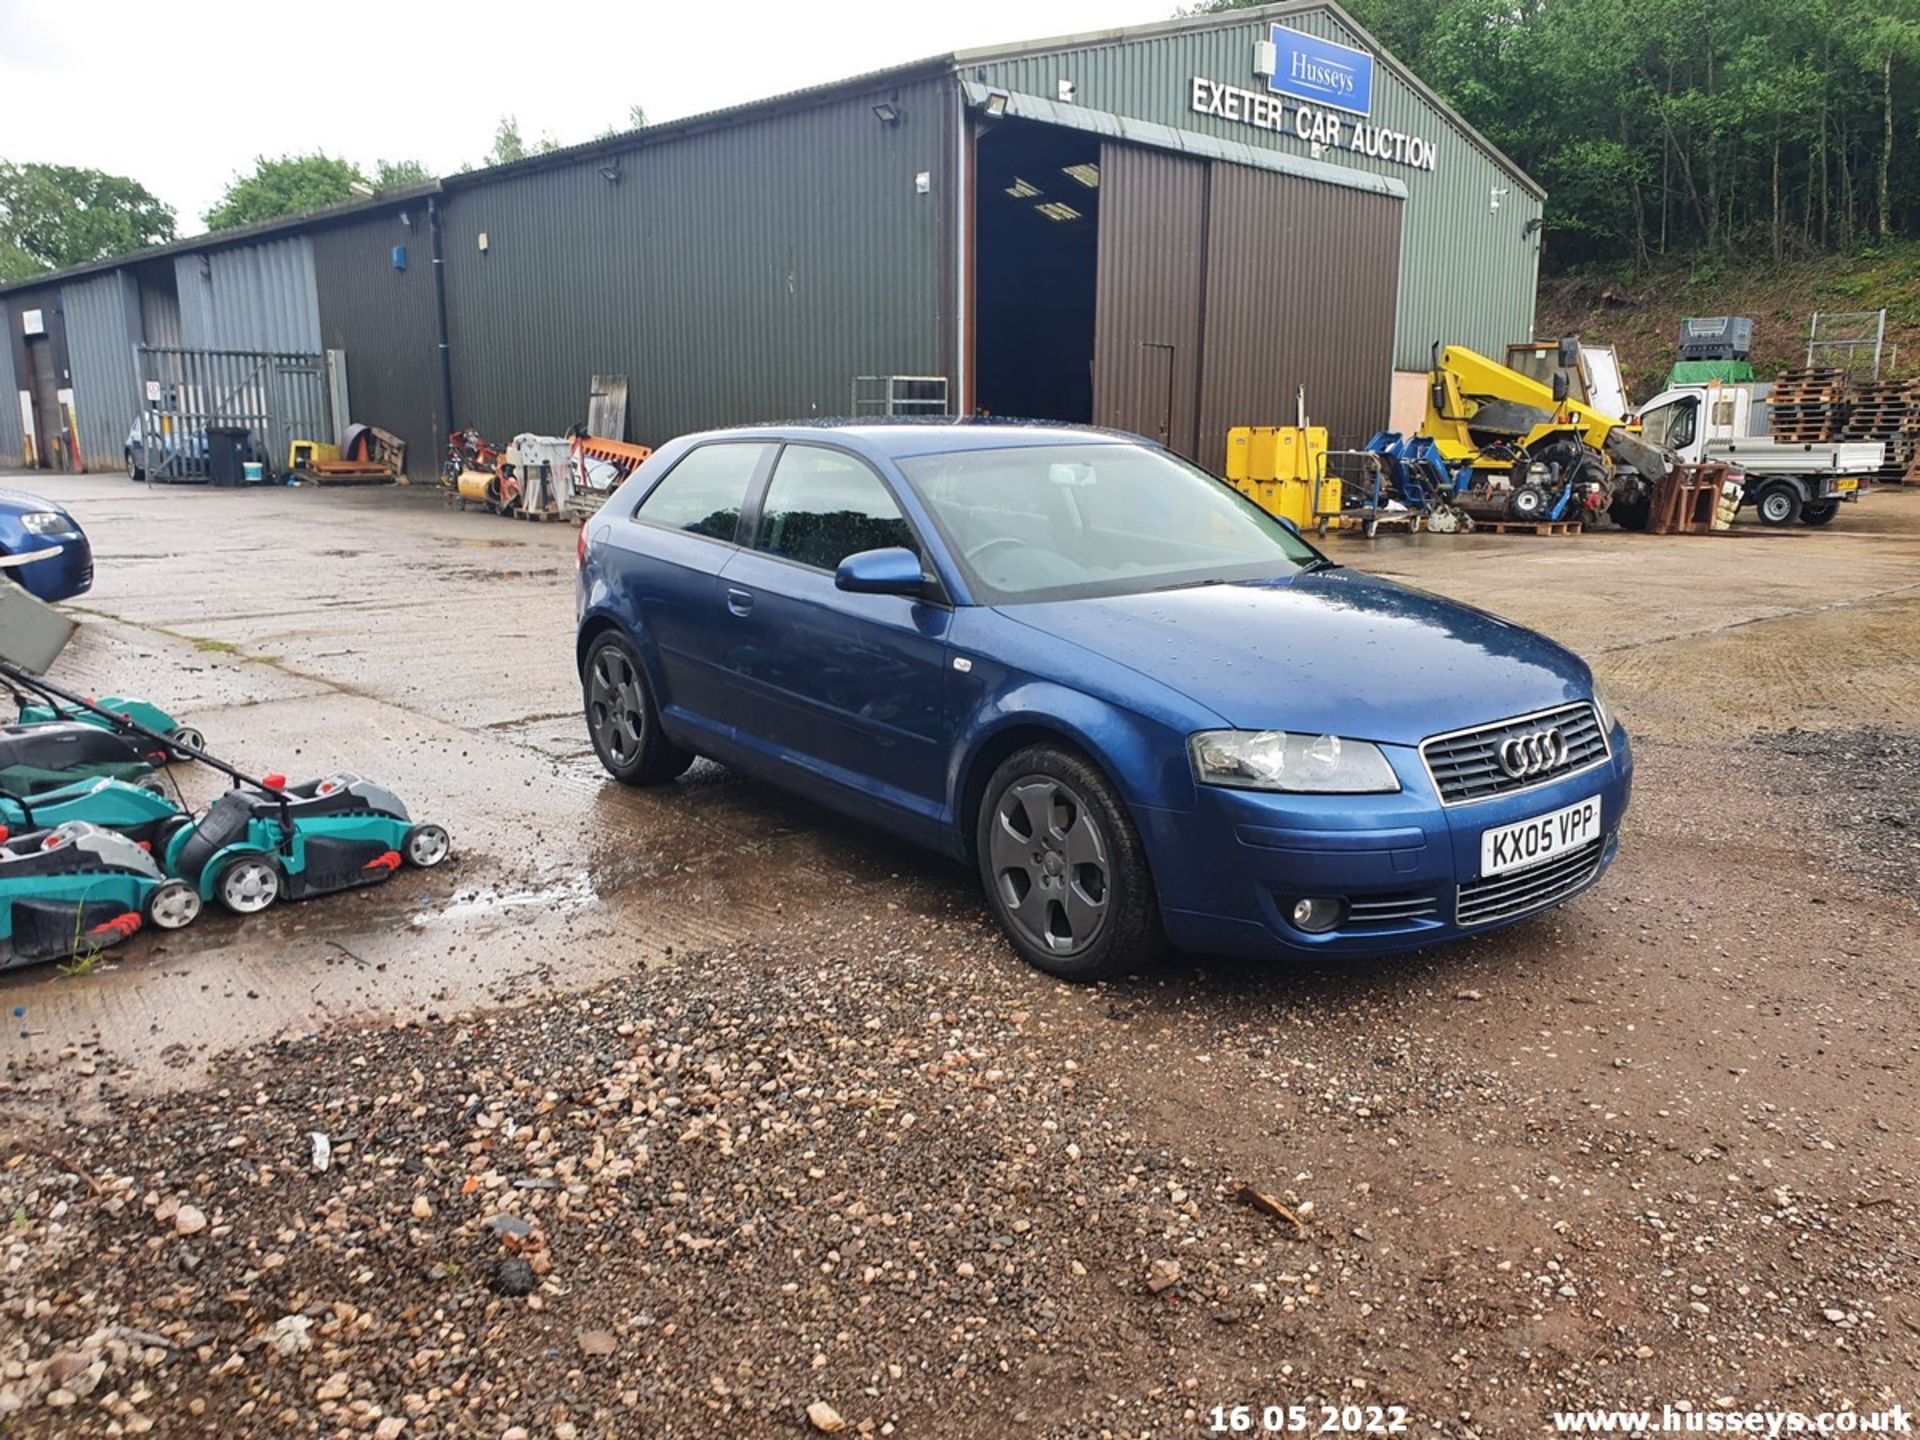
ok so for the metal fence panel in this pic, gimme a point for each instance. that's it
(276, 398)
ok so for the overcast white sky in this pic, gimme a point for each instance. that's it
(182, 96)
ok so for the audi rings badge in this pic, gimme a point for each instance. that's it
(1537, 752)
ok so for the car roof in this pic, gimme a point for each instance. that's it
(899, 438)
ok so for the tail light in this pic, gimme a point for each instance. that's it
(580, 549)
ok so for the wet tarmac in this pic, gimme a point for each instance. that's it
(308, 631)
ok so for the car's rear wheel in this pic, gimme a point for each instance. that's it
(1819, 513)
(1779, 504)
(622, 719)
(1064, 869)
(134, 472)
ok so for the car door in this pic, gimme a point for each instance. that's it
(850, 686)
(671, 553)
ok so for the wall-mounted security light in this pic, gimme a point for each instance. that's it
(1495, 196)
(996, 105)
(406, 218)
(1065, 90)
(923, 182)
(1533, 227)
(1264, 59)
(887, 113)
(481, 241)
(610, 172)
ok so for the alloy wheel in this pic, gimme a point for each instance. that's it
(1051, 864)
(616, 709)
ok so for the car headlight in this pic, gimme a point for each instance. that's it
(47, 522)
(1281, 760)
(1602, 709)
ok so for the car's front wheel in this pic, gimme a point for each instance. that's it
(1779, 504)
(622, 719)
(1064, 869)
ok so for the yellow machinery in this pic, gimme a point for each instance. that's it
(1280, 468)
(1528, 444)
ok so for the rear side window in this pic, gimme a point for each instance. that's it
(823, 506)
(704, 493)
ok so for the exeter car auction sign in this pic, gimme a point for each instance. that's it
(1319, 91)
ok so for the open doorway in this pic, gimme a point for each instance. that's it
(1036, 227)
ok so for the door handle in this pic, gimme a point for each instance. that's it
(739, 601)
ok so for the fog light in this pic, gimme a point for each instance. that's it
(1315, 913)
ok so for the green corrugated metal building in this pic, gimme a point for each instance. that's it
(1169, 228)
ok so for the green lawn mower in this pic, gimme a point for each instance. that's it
(54, 754)
(263, 840)
(141, 812)
(106, 713)
(72, 891)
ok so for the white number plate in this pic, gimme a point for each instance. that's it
(1530, 842)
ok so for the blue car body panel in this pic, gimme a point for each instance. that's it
(61, 576)
(857, 701)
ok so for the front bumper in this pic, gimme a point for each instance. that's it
(1229, 870)
(62, 576)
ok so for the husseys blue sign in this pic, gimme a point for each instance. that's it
(1320, 72)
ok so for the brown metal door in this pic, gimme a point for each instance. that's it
(1301, 285)
(1147, 305)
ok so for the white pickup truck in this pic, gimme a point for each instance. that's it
(1784, 481)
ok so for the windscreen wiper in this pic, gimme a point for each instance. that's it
(1319, 563)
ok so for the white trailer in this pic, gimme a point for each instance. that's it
(1785, 481)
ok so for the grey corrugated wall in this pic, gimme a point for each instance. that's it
(11, 449)
(103, 326)
(383, 319)
(252, 297)
(746, 273)
(1468, 273)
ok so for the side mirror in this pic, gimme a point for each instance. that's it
(892, 571)
(1559, 386)
(1569, 356)
(1292, 529)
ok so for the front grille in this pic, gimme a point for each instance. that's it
(1466, 765)
(1384, 910)
(1502, 897)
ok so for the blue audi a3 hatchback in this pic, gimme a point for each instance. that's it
(1144, 709)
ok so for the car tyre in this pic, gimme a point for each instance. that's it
(1778, 504)
(1526, 504)
(1064, 869)
(1820, 513)
(134, 472)
(249, 883)
(622, 719)
(1631, 514)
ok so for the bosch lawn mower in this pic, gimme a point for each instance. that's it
(53, 754)
(72, 891)
(106, 713)
(263, 840)
(141, 812)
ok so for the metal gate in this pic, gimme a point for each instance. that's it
(196, 403)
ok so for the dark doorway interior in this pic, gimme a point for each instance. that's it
(1036, 222)
(45, 388)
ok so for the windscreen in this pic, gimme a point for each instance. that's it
(1049, 522)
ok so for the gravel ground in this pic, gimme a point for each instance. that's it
(921, 1187)
(1867, 782)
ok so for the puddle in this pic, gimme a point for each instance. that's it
(480, 572)
(473, 543)
(574, 893)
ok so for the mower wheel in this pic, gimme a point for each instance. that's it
(173, 906)
(187, 735)
(248, 883)
(622, 719)
(153, 785)
(426, 846)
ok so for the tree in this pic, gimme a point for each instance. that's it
(291, 185)
(508, 145)
(399, 174)
(52, 216)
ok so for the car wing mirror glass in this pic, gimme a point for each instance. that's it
(894, 570)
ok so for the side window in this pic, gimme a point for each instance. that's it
(823, 506)
(1671, 425)
(704, 493)
(1680, 431)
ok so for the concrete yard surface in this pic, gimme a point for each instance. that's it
(677, 1112)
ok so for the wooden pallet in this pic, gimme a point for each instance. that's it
(345, 472)
(539, 516)
(1528, 527)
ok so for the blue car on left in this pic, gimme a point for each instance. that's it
(55, 560)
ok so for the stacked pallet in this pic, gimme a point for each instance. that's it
(1887, 412)
(1808, 405)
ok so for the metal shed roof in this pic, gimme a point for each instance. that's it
(951, 63)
